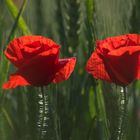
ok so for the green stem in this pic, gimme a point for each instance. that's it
(123, 111)
(57, 127)
(56, 115)
(43, 112)
(15, 13)
(7, 117)
(16, 21)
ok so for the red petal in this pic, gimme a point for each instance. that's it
(14, 81)
(138, 72)
(116, 59)
(13, 53)
(123, 65)
(26, 40)
(64, 69)
(25, 47)
(95, 66)
(40, 70)
(112, 43)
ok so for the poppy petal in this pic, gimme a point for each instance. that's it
(65, 68)
(123, 64)
(25, 47)
(95, 66)
(112, 43)
(14, 81)
(116, 59)
(40, 70)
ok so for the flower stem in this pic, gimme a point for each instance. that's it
(123, 113)
(43, 112)
(55, 112)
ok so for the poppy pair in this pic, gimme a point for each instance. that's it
(115, 59)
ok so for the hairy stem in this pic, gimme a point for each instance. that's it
(123, 113)
(43, 113)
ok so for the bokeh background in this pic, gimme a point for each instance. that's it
(80, 108)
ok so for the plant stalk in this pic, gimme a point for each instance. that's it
(123, 113)
(42, 113)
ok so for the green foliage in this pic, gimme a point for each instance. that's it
(79, 108)
(14, 11)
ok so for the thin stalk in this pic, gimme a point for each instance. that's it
(16, 21)
(56, 117)
(98, 128)
(123, 113)
(57, 127)
(57, 124)
(135, 120)
(15, 13)
(90, 128)
(7, 117)
(43, 112)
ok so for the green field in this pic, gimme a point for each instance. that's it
(80, 108)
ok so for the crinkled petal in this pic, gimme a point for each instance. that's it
(95, 66)
(64, 69)
(26, 47)
(116, 59)
(123, 65)
(111, 43)
(40, 70)
(125, 40)
(14, 81)
(13, 53)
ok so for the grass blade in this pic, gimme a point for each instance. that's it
(14, 11)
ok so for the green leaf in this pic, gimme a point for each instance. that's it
(14, 11)
(92, 108)
(102, 110)
(90, 8)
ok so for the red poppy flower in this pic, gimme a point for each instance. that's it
(116, 59)
(36, 59)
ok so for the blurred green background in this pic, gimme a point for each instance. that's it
(80, 108)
